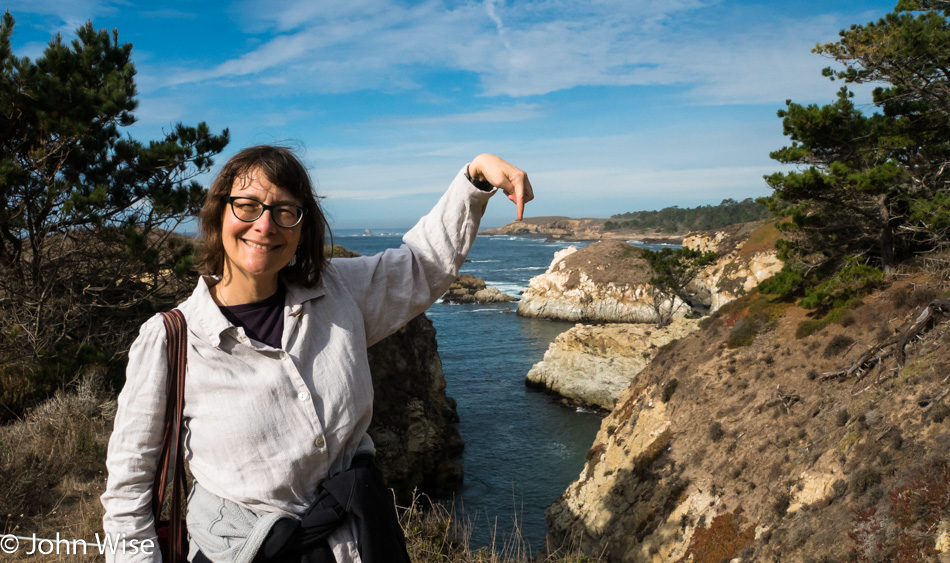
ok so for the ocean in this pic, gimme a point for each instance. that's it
(522, 447)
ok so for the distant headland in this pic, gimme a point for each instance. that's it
(668, 225)
(566, 228)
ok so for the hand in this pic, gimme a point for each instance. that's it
(504, 176)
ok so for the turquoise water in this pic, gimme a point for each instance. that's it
(522, 448)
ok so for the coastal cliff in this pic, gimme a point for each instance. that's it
(592, 365)
(767, 435)
(414, 421)
(607, 281)
(747, 256)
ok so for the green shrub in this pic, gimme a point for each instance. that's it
(786, 283)
(849, 282)
(836, 315)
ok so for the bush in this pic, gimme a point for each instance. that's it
(842, 417)
(837, 345)
(863, 479)
(849, 282)
(669, 389)
(786, 283)
(744, 332)
(748, 317)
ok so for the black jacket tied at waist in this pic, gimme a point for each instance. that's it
(358, 493)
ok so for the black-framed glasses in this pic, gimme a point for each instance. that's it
(248, 209)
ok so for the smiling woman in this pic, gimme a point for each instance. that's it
(256, 245)
(278, 393)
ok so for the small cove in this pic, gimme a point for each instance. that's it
(522, 448)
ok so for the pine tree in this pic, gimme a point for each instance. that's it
(673, 271)
(872, 187)
(85, 210)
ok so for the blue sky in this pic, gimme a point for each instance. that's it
(610, 105)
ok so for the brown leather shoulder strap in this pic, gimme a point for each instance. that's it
(177, 353)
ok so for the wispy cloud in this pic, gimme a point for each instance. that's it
(505, 114)
(521, 50)
(499, 25)
(67, 15)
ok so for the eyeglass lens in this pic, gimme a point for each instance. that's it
(250, 210)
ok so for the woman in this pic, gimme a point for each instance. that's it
(278, 391)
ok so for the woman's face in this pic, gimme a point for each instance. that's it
(258, 250)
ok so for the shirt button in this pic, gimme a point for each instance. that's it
(319, 442)
(303, 396)
(283, 355)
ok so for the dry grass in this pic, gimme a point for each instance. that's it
(434, 533)
(52, 467)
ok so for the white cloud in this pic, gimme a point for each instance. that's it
(531, 49)
(68, 14)
(504, 114)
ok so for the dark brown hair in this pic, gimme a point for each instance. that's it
(282, 168)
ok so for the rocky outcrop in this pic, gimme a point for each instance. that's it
(469, 289)
(752, 440)
(747, 256)
(605, 281)
(565, 228)
(414, 422)
(591, 365)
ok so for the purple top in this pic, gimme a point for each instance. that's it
(262, 320)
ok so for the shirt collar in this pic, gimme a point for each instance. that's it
(212, 323)
(297, 295)
(205, 311)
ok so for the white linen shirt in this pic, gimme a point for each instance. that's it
(263, 426)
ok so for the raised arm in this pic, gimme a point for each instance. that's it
(394, 286)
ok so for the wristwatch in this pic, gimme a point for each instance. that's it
(483, 185)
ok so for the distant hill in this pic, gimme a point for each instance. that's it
(666, 225)
(683, 220)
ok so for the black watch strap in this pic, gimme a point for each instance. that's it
(483, 185)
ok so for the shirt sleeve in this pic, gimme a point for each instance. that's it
(396, 285)
(134, 448)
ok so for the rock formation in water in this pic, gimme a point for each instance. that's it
(414, 421)
(605, 281)
(592, 365)
(747, 256)
(469, 289)
(768, 435)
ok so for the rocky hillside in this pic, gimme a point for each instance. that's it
(773, 435)
(747, 256)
